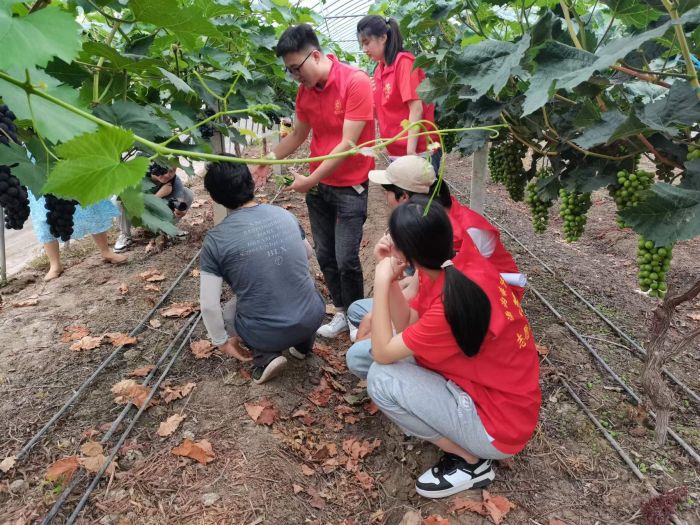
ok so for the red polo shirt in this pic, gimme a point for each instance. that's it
(503, 378)
(463, 218)
(394, 87)
(347, 95)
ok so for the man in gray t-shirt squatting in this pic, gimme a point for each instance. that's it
(260, 251)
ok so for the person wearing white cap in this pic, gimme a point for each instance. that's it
(403, 178)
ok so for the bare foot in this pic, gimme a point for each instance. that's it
(115, 258)
(53, 273)
(233, 348)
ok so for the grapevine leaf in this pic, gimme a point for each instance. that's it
(691, 180)
(601, 132)
(157, 217)
(53, 122)
(472, 141)
(33, 40)
(117, 60)
(633, 12)
(631, 126)
(679, 107)
(176, 81)
(132, 201)
(589, 177)
(188, 23)
(29, 174)
(666, 214)
(142, 120)
(92, 169)
(489, 64)
(559, 65)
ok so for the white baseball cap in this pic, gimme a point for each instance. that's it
(410, 173)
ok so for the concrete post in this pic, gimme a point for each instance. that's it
(477, 194)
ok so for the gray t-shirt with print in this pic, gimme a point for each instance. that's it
(259, 251)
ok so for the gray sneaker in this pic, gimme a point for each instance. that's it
(123, 243)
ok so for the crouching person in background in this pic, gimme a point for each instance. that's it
(261, 252)
(462, 370)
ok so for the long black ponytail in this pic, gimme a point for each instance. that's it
(374, 25)
(426, 240)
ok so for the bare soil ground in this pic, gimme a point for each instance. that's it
(327, 458)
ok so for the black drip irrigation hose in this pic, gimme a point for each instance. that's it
(58, 504)
(631, 393)
(613, 442)
(86, 495)
(67, 405)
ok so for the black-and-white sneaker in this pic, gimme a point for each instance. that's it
(453, 474)
(262, 374)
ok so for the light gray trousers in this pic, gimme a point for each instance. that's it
(426, 405)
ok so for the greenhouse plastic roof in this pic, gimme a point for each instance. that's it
(340, 19)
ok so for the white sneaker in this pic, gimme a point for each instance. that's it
(337, 326)
(452, 475)
(122, 243)
(353, 331)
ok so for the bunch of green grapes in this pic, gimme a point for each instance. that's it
(538, 206)
(574, 206)
(506, 166)
(654, 262)
(627, 193)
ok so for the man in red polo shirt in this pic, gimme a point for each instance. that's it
(334, 104)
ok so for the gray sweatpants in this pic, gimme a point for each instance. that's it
(426, 405)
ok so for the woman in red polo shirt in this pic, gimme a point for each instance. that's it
(462, 370)
(395, 84)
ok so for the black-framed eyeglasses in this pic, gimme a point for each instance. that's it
(294, 70)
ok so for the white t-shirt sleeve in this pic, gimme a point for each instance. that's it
(484, 240)
(210, 303)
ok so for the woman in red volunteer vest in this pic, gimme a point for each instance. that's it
(395, 84)
(462, 370)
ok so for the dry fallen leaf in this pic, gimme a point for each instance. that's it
(86, 343)
(129, 391)
(94, 464)
(155, 323)
(91, 448)
(357, 449)
(459, 504)
(123, 289)
(262, 412)
(433, 519)
(170, 425)
(200, 451)
(542, 350)
(202, 349)
(74, 333)
(195, 273)
(152, 276)
(371, 408)
(142, 371)
(119, 339)
(306, 418)
(8, 463)
(329, 356)
(497, 506)
(366, 481)
(321, 395)
(63, 469)
(316, 500)
(179, 310)
(307, 471)
(151, 288)
(171, 393)
(297, 488)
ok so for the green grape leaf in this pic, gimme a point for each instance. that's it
(142, 120)
(177, 82)
(34, 39)
(600, 132)
(679, 107)
(633, 12)
(31, 175)
(51, 121)
(157, 217)
(92, 169)
(472, 141)
(666, 214)
(489, 64)
(132, 201)
(119, 61)
(188, 23)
